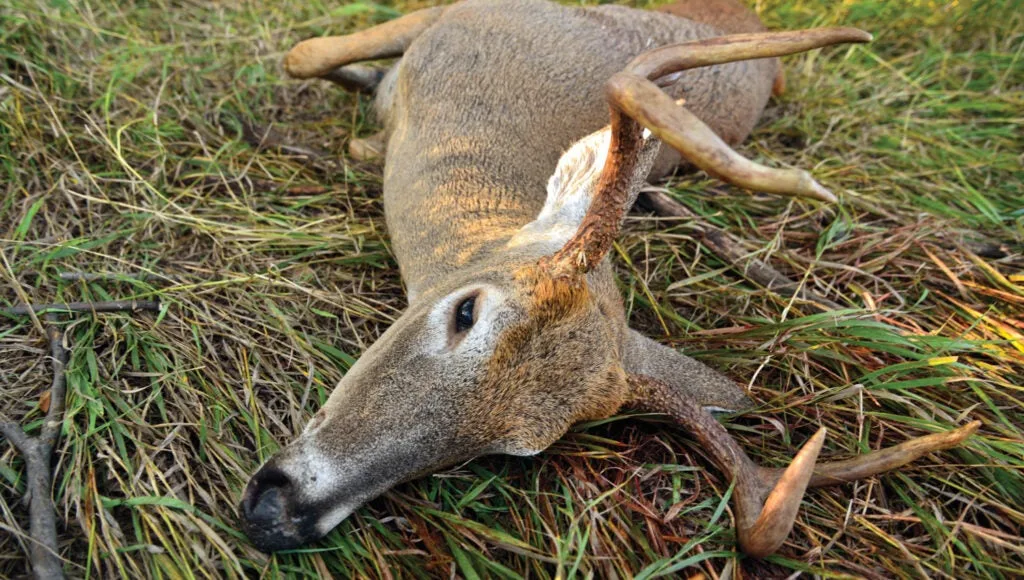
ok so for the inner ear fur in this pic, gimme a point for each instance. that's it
(700, 383)
(570, 190)
(572, 186)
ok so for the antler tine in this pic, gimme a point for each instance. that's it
(767, 500)
(659, 62)
(635, 100)
(837, 472)
(684, 132)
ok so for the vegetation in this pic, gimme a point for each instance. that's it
(126, 134)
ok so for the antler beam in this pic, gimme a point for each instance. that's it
(767, 500)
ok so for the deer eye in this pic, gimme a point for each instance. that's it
(464, 314)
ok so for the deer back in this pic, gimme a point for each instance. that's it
(484, 103)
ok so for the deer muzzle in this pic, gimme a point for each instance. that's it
(339, 463)
(302, 493)
(271, 518)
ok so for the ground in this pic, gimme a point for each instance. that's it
(125, 148)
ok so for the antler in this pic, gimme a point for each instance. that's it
(637, 101)
(767, 500)
(631, 154)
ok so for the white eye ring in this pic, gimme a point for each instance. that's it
(443, 327)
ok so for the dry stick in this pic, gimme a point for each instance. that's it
(267, 138)
(112, 306)
(38, 452)
(243, 184)
(726, 249)
(97, 276)
(151, 277)
(118, 277)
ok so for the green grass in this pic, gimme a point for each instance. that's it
(120, 152)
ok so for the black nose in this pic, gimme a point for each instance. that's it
(272, 516)
(266, 495)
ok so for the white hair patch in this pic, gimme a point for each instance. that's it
(570, 192)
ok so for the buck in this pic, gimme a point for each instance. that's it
(518, 134)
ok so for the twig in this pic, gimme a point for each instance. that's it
(151, 277)
(116, 276)
(245, 183)
(112, 306)
(725, 247)
(94, 276)
(267, 138)
(38, 452)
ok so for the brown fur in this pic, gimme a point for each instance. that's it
(494, 221)
(486, 99)
(449, 207)
(542, 378)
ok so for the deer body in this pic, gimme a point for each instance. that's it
(484, 103)
(503, 188)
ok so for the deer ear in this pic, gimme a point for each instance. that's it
(572, 188)
(569, 193)
(700, 383)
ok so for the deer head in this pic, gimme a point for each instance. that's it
(502, 359)
(505, 356)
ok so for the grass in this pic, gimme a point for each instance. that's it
(120, 152)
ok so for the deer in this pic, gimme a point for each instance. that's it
(517, 135)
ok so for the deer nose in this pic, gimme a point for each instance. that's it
(267, 506)
(265, 496)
